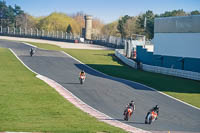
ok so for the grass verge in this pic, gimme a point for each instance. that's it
(27, 104)
(105, 61)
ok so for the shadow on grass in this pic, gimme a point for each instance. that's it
(158, 81)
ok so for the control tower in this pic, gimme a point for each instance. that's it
(88, 27)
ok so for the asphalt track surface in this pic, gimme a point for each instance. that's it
(109, 94)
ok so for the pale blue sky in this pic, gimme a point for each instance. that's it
(105, 10)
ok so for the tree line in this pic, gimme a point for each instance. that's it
(125, 27)
(56, 21)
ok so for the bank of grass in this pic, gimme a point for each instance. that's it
(105, 61)
(28, 104)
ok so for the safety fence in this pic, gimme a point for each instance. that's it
(156, 69)
(109, 41)
(35, 33)
(171, 71)
(119, 54)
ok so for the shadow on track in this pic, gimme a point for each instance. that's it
(127, 122)
(168, 81)
(69, 83)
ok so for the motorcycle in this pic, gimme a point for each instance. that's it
(128, 113)
(151, 117)
(32, 52)
(82, 79)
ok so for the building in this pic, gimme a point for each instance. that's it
(177, 36)
(88, 27)
(176, 44)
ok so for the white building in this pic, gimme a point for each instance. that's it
(177, 36)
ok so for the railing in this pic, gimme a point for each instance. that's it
(157, 69)
(173, 72)
(119, 54)
(110, 41)
(35, 33)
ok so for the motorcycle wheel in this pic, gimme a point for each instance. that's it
(150, 120)
(126, 117)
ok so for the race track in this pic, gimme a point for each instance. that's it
(108, 94)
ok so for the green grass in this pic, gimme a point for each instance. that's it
(105, 61)
(28, 104)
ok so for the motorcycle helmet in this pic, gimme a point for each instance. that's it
(157, 106)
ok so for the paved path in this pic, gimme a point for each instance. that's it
(108, 94)
(58, 43)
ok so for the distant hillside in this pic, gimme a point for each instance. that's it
(58, 22)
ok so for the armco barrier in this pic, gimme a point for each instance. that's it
(173, 72)
(119, 54)
(157, 69)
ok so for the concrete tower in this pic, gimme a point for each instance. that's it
(88, 27)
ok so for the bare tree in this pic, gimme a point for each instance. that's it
(130, 27)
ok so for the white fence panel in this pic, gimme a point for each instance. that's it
(119, 54)
(173, 72)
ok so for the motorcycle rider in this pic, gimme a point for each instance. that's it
(155, 109)
(130, 105)
(82, 73)
(31, 51)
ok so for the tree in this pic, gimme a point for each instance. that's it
(179, 12)
(149, 29)
(110, 29)
(8, 14)
(17, 10)
(25, 21)
(69, 29)
(120, 26)
(79, 18)
(58, 22)
(97, 25)
(196, 12)
(130, 27)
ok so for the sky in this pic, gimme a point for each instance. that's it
(105, 10)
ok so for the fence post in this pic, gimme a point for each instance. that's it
(14, 30)
(62, 34)
(57, 34)
(20, 31)
(42, 33)
(53, 34)
(47, 33)
(8, 30)
(66, 35)
(31, 31)
(37, 32)
(25, 31)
